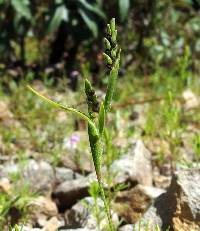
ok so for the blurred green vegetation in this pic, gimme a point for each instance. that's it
(36, 130)
(40, 34)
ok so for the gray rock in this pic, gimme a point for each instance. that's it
(78, 215)
(65, 174)
(82, 215)
(69, 192)
(135, 167)
(152, 192)
(9, 169)
(40, 177)
(132, 204)
(180, 206)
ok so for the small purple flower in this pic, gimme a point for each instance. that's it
(71, 142)
(74, 73)
(75, 139)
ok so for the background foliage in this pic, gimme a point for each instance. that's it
(39, 34)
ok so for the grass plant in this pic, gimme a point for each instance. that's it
(97, 112)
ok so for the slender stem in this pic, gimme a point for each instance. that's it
(106, 205)
(97, 151)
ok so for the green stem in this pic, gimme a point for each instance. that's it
(107, 206)
(97, 151)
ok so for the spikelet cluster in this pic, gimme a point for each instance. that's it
(112, 51)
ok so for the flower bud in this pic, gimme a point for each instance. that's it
(112, 25)
(109, 29)
(113, 53)
(114, 36)
(107, 59)
(107, 44)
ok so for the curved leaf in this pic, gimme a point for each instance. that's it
(22, 7)
(101, 119)
(94, 8)
(60, 14)
(64, 108)
(89, 22)
(111, 84)
(124, 6)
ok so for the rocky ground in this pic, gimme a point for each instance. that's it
(62, 192)
(145, 195)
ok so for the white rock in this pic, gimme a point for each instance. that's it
(134, 167)
(191, 100)
(128, 227)
(5, 185)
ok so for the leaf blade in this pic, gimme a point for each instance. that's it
(124, 6)
(64, 108)
(111, 84)
(22, 7)
(101, 119)
(93, 8)
(60, 14)
(92, 26)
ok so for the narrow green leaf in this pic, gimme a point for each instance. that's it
(64, 108)
(124, 6)
(22, 7)
(89, 22)
(101, 119)
(9, 204)
(95, 8)
(110, 89)
(16, 228)
(60, 14)
(111, 84)
(96, 150)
